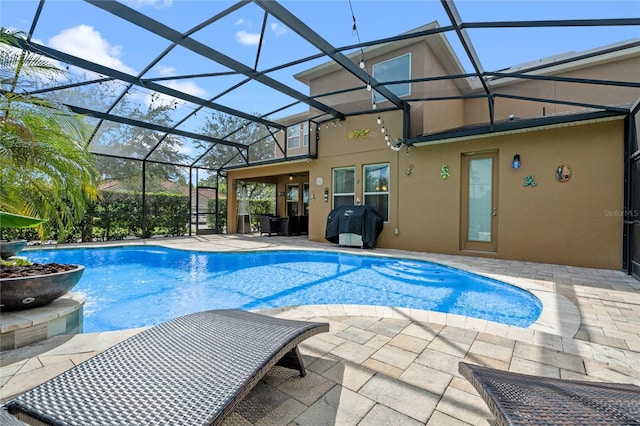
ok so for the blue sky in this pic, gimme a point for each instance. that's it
(81, 29)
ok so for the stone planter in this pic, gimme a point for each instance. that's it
(11, 248)
(37, 290)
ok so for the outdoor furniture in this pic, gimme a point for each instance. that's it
(520, 399)
(290, 226)
(192, 370)
(269, 224)
(303, 225)
(7, 419)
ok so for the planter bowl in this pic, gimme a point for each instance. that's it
(30, 292)
(11, 248)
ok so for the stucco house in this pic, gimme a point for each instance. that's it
(513, 166)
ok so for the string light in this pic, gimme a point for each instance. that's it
(393, 144)
(397, 144)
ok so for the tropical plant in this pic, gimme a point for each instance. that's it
(46, 169)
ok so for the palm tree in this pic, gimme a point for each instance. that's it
(46, 169)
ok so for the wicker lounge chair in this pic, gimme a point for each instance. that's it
(192, 370)
(520, 399)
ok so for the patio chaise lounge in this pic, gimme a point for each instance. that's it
(521, 399)
(192, 370)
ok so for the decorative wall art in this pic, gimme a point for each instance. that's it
(530, 181)
(409, 170)
(563, 173)
(444, 171)
(355, 134)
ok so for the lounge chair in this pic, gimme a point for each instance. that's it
(7, 419)
(521, 399)
(192, 370)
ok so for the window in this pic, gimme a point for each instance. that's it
(376, 188)
(393, 70)
(293, 135)
(343, 186)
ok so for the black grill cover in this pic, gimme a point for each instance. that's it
(361, 220)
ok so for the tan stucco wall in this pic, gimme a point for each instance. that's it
(572, 223)
(576, 223)
(625, 69)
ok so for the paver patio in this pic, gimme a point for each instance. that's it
(389, 366)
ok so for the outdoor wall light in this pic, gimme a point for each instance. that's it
(326, 194)
(291, 176)
(516, 162)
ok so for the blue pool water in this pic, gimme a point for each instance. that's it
(136, 286)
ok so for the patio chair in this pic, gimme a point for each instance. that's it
(192, 370)
(269, 224)
(521, 399)
(290, 226)
(303, 226)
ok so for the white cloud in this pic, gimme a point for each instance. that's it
(240, 21)
(179, 85)
(85, 42)
(186, 150)
(187, 87)
(249, 39)
(166, 71)
(278, 29)
(157, 4)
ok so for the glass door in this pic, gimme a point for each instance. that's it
(305, 199)
(479, 202)
(292, 200)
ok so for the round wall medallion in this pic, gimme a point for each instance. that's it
(319, 181)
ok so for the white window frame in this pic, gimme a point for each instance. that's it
(293, 135)
(305, 133)
(381, 189)
(342, 194)
(376, 97)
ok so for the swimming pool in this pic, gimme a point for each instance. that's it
(134, 286)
